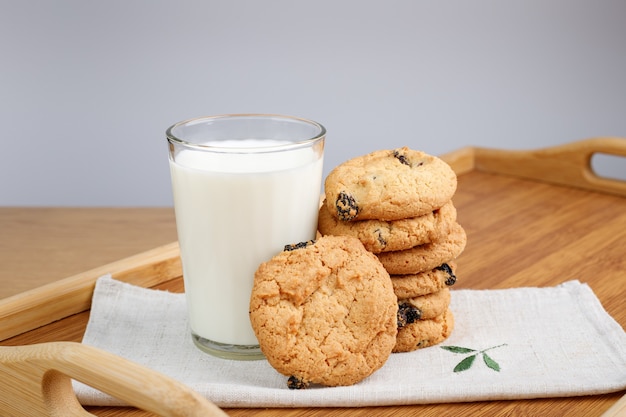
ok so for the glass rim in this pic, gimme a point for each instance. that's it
(172, 138)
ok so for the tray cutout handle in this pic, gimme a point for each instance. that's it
(609, 166)
(36, 381)
(569, 164)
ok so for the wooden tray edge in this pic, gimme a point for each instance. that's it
(44, 305)
(462, 160)
(566, 165)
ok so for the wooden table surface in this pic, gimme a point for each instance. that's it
(520, 233)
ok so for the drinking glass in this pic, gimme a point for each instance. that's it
(244, 186)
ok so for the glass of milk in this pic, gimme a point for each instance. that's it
(244, 186)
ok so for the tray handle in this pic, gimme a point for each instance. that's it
(568, 164)
(35, 380)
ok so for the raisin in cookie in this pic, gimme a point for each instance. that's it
(324, 312)
(422, 283)
(383, 236)
(389, 185)
(425, 257)
(424, 333)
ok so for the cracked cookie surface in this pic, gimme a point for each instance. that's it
(389, 185)
(324, 313)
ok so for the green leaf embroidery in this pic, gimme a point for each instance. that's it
(491, 363)
(458, 349)
(467, 363)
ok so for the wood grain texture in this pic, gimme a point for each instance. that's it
(56, 300)
(39, 245)
(520, 233)
(618, 409)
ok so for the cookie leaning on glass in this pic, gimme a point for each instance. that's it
(324, 312)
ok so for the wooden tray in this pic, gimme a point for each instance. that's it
(533, 218)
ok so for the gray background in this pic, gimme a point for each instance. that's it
(88, 87)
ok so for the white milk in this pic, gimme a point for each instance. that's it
(233, 212)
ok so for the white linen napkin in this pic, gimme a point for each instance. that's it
(526, 343)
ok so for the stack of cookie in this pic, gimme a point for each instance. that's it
(398, 204)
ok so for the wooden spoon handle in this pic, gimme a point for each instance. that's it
(35, 380)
